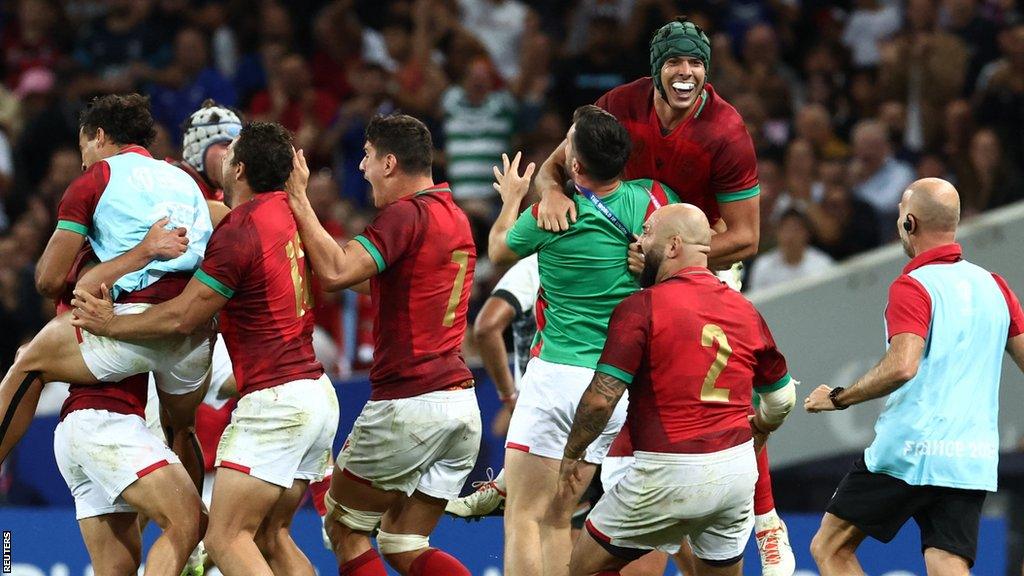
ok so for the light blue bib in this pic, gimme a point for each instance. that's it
(142, 190)
(940, 428)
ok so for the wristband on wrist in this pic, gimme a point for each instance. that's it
(834, 397)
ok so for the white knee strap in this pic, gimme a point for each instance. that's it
(398, 543)
(354, 519)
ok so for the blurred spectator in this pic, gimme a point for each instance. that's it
(343, 140)
(879, 178)
(590, 13)
(855, 227)
(505, 22)
(959, 125)
(601, 66)
(978, 34)
(111, 43)
(180, 89)
(776, 82)
(814, 125)
(36, 39)
(479, 121)
(925, 68)
(291, 99)
(985, 179)
(793, 258)
(1000, 94)
(339, 45)
(870, 22)
(50, 122)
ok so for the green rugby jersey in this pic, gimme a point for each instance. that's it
(583, 271)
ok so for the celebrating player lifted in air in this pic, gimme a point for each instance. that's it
(691, 351)
(281, 432)
(688, 137)
(583, 276)
(416, 441)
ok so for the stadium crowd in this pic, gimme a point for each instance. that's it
(847, 103)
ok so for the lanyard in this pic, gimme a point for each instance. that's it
(603, 209)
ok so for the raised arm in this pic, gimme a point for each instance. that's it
(513, 188)
(337, 266)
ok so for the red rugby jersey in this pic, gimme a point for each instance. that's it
(255, 259)
(709, 158)
(425, 259)
(125, 397)
(693, 351)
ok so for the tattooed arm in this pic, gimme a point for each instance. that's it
(596, 407)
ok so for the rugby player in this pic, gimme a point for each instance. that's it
(583, 276)
(103, 424)
(113, 204)
(416, 440)
(691, 351)
(281, 432)
(688, 137)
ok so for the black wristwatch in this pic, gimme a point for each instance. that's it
(834, 397)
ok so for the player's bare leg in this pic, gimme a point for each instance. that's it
(705, 569)
(240, 505)
(169, 499)
(114, 543)
(650, 564)
(834, 547)
(417, 515)
(538, 539)
(274, 537)
(178, 417)
(941, 563)
(589, 558)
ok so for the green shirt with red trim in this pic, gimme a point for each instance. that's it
(583, 271)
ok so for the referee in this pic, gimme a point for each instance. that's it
(935, 451)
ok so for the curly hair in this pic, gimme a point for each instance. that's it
(266, 150)
(125, 119)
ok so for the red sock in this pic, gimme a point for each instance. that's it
(764, 501)
(435, 562)
(317, 491)
(366, 564)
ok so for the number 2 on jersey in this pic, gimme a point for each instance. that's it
(460, 257)
(303, 295)
(708, 336)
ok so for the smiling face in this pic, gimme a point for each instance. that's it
(683, 78)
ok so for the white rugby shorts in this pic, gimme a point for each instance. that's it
(549, 394)
(180, 363)
(283, 433)
(426, 443)
(101, 453)
(663, 498)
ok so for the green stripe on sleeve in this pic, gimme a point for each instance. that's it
(217, 286)
(767, 388)
(381, 265)
(739, 194)
(615, 372)
(72, 227)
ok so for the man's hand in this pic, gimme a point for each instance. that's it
(512, 186)
(162, 243)
(760, 436)
(551, 213)
(570, 481)
(91, 313)
(819, 401)
(636, 258)
(296, 185)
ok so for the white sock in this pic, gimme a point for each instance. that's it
(767, 521)
(499, 481)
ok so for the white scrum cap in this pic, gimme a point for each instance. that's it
(208, 125)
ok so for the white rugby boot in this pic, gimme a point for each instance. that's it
(488, 500)
(773, 545)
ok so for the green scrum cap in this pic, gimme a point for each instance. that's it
(679, 37)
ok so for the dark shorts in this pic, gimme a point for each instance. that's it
(879, 505)
(588, 500)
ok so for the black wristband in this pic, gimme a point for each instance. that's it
(834, 397)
